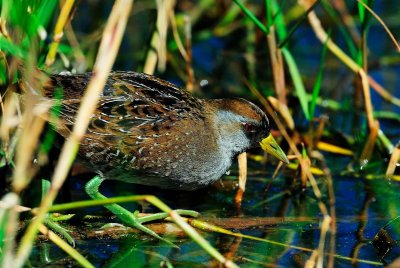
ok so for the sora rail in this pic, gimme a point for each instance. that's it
(148, 131)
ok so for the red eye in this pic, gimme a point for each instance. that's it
(249, 127)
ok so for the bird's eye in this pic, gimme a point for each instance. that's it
(249, 127)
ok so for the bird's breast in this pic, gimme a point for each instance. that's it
(185, 157)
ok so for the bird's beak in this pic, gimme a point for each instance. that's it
(270, 146)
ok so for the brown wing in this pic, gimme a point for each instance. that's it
(129, 100)
(133, 109)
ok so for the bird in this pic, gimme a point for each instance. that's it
(148, 131)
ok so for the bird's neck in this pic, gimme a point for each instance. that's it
(232, 140)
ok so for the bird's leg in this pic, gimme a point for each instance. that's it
(50, 222)
(131, 219)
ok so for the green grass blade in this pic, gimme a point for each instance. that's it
(297, 24)
(279, 21)
(297, 81)
(46, 12)
(351, 46)
(251, 16)
(230, 15)
(317, 85)
(5, 9)
(268, 11)
(364, 15)
(11, 48)
(294, 71)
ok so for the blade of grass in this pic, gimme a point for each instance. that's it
(279, 20)
(190, 79)
(65, 246)
(11, 48)
(276, 19)
(58, 31)
(5, 10)
(297, 24)
(362, 58)
(293, 69)
(45, 12)
(229, 16)
(177, 38)
(268, 12)
(304, 162)
(382, 23)
(383, 92)
(251, 16)
(283, 111)
(158, 53)
(323, 146)
(242, 160)
(159, 204)
(345, 23)
(325, 228)
(202, 224)
(394, 160)
(384, 142)
(32, 124)
(8, 229)
(33, 17)
(109, 46)
(364, 16)
(213, 228)
(349, 62)
(369, 145)
(278, 69)
(297, 82)
(317, 85)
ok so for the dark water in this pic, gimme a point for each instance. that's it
(362, 208)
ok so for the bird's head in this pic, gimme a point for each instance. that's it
(243, 125)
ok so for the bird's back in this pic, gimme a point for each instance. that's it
(142, 125)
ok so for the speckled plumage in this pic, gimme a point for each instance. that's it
(148, 131)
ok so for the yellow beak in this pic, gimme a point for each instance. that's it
(270, 146)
